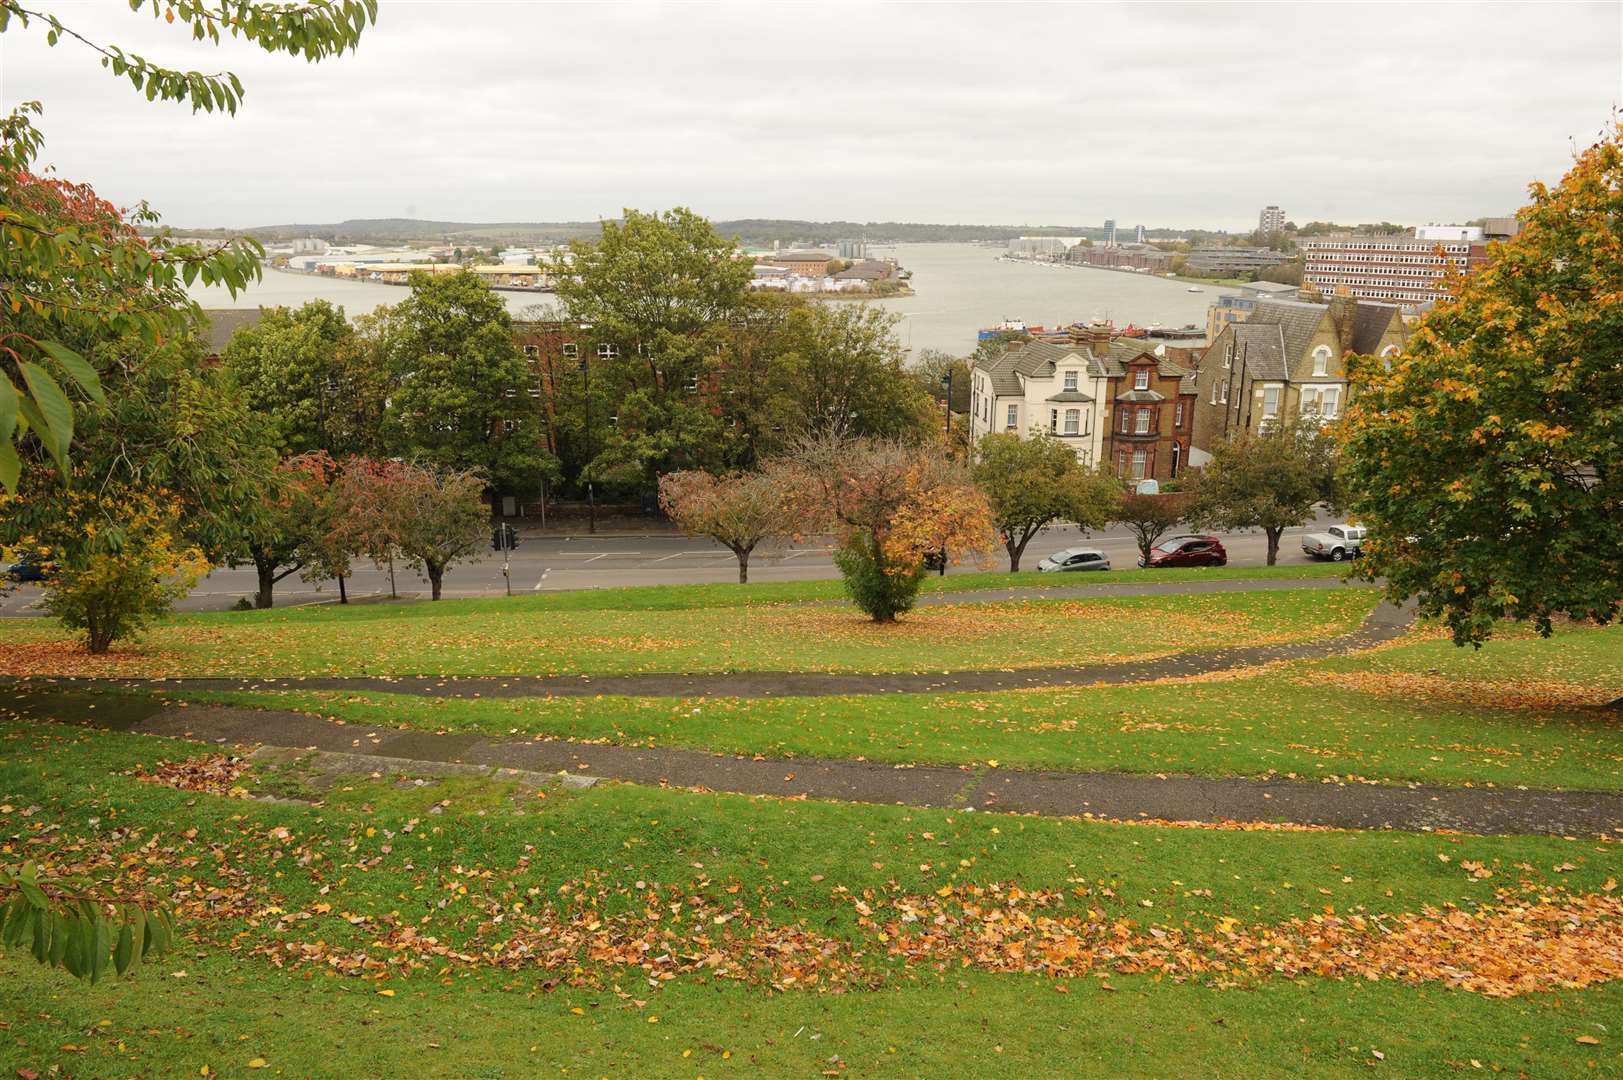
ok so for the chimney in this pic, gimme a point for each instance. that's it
(1342, 310)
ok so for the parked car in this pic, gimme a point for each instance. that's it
(30, 570)
(1335, 543)
(1187, 551)
(1073, 559)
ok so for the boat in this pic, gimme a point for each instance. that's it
(1194, 288)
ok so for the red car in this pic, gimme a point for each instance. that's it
(1188, 551)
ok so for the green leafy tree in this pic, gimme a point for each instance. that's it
(290, 529)
(840, 369)
(1033, 482)
(305, 370)
(461, 396)
(1485, 459)
(74, 267)
(1270, 481)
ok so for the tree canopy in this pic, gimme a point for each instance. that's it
(1269, 481)
(1485, 458)
(1033, 482)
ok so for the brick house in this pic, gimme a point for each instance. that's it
(1152, 401)
(1285, 360)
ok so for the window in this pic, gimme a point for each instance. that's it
(1323, 401)
(606, 351)
(1126, 419)
(1053, 419)
(1139, 459)
(1321, 361)
(1225, 393)
(1073, 421)
(1012, 417)
(509, 425)
(510, 392)
(1070, 382)
(1214, 392)
(1142, 427)
(1175, 456)
(1177, 415)
(1270, 402)
(1141, 379)
(571, 350)
(532, 351)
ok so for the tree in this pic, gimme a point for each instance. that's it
(1485, 459)
(840, 369)
(440, 518)
(1033, 482)
(1149, 517)
(891, 505)
(118, 581)
(930, 371)
(363, 515)
(289, 530)
(741, 509)
(1269, 481)
(304, 369)
(75, 266)
(461, 396)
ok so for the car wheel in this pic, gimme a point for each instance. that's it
(1337, 555)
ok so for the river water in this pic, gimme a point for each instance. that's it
(959, 288)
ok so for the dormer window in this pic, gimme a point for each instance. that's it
(1141, 379)
(1321, 360)
(1070, 382)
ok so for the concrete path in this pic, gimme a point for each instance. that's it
(1385, 623)
(1117, 796)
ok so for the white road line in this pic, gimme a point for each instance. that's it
(608, 554)
(542, 581)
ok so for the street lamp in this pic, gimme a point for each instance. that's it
(586, 402)
(946, 384)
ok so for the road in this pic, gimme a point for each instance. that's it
(552, 563)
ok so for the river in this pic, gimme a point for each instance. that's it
(959, 288)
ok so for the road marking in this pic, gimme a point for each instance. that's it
(609, 554)
(545, 570)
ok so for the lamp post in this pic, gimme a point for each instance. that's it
(946, 384)
(586, 402)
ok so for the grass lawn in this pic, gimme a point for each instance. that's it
(375, 871)
(1521, 710)
(529, 636)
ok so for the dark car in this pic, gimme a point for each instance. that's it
(31, 570)
(1187, 551)
(1073, 559)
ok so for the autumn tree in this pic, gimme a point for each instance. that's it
(891, 505)
(440, 518)
(1033, 482)
(288, 531)
(1487, 458)
(1149, 517)
(1270, 481)
(364, 517)
(741, 510)
(73, 267)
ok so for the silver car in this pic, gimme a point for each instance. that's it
(1073, 559)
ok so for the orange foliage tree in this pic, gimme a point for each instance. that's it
(891, 505)
(1487, 459)
(741, 509)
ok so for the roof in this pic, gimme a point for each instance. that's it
(1140, 395)
(864, 271)
(1370, 322)
(1070, 395)
(1294, 323)
(802, 256)
(1269, 289)
(1034, 359)
(223, 322)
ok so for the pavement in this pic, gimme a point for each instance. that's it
(1111, 796)
(545, 563)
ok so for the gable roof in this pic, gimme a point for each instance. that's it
(1369, 325)
(1034, 359)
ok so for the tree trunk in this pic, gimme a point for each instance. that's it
(436, 574)
(392, 594)
(1017, 549)
(1273, 544)
(743, 554)
(267, 584)
(343, 596)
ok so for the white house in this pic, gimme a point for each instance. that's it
(1061, 389)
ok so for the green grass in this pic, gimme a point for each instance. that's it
(510, 637)
(224, 1014)
(789, 859)
(1282, 721)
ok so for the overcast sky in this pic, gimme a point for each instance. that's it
(1166, 114)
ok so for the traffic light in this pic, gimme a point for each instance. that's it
(505, 537)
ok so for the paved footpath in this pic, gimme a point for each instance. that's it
(1118, 796)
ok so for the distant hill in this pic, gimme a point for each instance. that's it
(756, 231)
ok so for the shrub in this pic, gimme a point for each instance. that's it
(883, 590)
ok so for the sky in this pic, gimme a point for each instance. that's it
(1166, 114)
